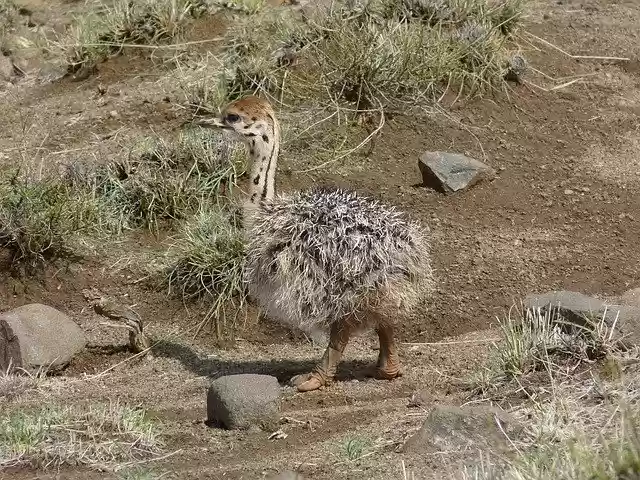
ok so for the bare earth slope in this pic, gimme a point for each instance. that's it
(563, 213)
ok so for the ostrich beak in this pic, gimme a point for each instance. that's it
(212, 122)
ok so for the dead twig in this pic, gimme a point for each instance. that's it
(577, 57)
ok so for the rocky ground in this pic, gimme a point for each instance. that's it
(561, 213)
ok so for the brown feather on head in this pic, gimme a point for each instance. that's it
(247, 117)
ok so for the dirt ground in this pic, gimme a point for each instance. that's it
(563, 213)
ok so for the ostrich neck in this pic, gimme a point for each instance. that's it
(263, 153)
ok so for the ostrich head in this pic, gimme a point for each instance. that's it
(250, 118)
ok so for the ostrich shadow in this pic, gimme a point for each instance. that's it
(283, 370)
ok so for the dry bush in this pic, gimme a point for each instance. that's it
(375, 53)
(580, 427)
(205, 260)
(578, 397)
(106, 32)
(161, 180)
(41, 218)
(533, 341)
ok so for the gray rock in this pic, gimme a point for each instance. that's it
(451, 172)
(578, 309)
(626, 320)
(244, 401)
(450, 428)
(288, 475)
(7, 71)
(36, 335)
(516, 69)
(575, 307)
(631, 298)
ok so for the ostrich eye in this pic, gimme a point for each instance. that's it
(232, 118)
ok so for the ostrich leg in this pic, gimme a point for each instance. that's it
(324, 372)
(388, 366)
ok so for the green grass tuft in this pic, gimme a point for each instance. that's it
(206, 260)
(99, 436)
(354, 448)
(164, 181)
(375, 53)
(94, 37)
(40, 218)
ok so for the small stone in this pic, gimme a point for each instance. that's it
(244, 401)
(36, 335)
(7, 70)
(114, 114)
(568, 191)
(451, 172)
(516, 69)
(631, 298)
(449, 428)
(287, 475)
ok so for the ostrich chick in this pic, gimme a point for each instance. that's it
(326, 258)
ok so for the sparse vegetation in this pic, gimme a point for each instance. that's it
(206, 259)
(375, 53)
(534, 341)
(39, 218)
(247, 6)
(98, 436)
(94, 37)
(354, 448)
(13, 383)
(580, 397)
(164, 181)
(332, 76)
(139, 473)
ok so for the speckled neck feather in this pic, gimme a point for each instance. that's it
(263, 152)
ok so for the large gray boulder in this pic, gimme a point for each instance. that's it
(35, 335)
(451, 172)
(449, 428)
(244, 401)
(575, 307)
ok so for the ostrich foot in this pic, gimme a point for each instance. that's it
(324, 372)
(388, 366)
(308, 382)
(388, 372)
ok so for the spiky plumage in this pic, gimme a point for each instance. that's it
(318, 256)
(325, 257)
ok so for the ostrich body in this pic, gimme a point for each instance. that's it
(325, 258)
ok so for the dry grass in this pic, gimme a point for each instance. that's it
(578, 398)
(113, 26)
(102, 436)
(206, 260)
(161, 180)
(533, 341)
(374, 53)
(41, 217)
(360, 57)
(15, 383)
